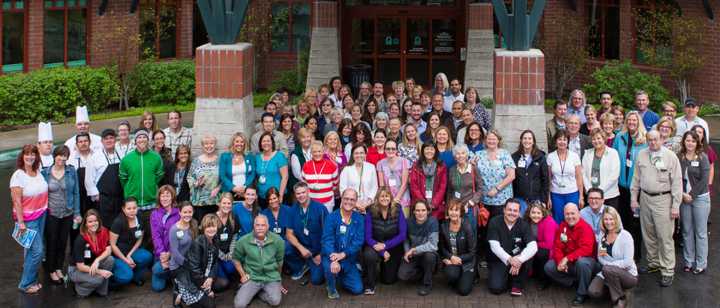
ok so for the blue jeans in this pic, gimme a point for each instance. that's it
(34, 254)
(124, 274)
(226, 269)
(295, 262)
(559, 201)
(349, 276)
(159, 277)
(693, 219)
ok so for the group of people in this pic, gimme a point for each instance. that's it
(382, 186)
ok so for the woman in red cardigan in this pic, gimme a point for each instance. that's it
(428, 180)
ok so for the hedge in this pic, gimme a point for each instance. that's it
(52, 94)
(161, 83)
(622, 79)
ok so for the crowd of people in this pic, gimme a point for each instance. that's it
(385, 185)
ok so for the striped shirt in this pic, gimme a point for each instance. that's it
(321, 178)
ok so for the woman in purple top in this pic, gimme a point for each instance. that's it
(161, 220)
(385, 230)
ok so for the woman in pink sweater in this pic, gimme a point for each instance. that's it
(543, 227)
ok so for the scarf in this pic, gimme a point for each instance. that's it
(429, 169)
(102, 239)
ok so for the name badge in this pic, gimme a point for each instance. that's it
(277, 230)
(428, 195)
(262, 179)
(392, 182)
(180, 234)
(695, 164)
(87, 254)
(249, 167)
(223, 236)
(521, 163)
(138, 234)
(343, 229)
(458, 195)
(563, 237)
(628, 163)
(306, 232)
(660, 165)
(338, 159)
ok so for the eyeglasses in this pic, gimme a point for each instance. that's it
(390, 149)
(594, 198)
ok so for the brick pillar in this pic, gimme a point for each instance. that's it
(480, 47)
(35, 34)
(223, 92)
(519, 95)
(185, 28)
(324, 60)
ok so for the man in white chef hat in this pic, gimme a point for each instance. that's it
(82, 125)
(45, 144)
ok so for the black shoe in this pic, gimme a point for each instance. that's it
(579, 300)
(424, 290)
(648, 269)
(666, 281)
(543, 285)
(140, 283)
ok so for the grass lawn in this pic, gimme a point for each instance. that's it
(136, 111)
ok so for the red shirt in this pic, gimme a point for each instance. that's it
(373, 156)
(321, 178)
(417, 188)
(579, 242)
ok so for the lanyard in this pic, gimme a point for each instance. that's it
(562, 163)
(321, 168)
(108, 159)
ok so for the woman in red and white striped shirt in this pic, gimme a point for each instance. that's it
(321, 174)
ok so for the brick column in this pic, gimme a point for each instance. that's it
(519, 95)
(324, 60)
(480, 47)
(185, 28)
(223, 92)
(35, 34)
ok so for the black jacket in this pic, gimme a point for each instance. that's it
(465, 244)
(531, 182)
(201, 260)
(184, 194)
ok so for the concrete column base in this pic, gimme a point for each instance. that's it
(223, 90)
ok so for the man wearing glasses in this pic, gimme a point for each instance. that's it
(593, 214)
(343, 237)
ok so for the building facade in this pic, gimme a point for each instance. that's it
(386, 40)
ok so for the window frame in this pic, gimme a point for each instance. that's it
(24, 11)
(66, 10)
(157, 41)
(601, 21)
(291, 52)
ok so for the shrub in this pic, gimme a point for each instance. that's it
(293, 79)
(159, 83)
(622, 79)
(52, 94)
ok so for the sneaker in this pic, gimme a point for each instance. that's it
(579, 300)
(666, 281)
(333, 294)
(301, 273)
(424, 290)
(369, 291)
(516, 292)
(648, 269)
(483, 264)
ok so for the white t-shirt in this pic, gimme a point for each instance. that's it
(31, 186)
(563, 172)
(238, 174)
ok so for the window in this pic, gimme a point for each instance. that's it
(653, 30)
(158, 26)
(12, 50)
(290, 26)
(65, 32)
(604, 29)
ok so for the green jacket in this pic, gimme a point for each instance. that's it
(261, 264)
(140, 174)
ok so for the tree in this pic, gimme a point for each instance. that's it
(670, 41)
(566, 53)
(122, 43)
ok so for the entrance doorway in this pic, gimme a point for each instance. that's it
(405, 41)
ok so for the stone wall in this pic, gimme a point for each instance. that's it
(480, 47)
(324, 60)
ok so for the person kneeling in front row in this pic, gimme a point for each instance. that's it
(258, 257)
(513, 244)
(91, 255)
(343, 237)
(421, 248)
(457, 248)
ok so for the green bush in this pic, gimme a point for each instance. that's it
(160, 83)
(293, 79)
(622, 79)
(709, 108)
(52, 94)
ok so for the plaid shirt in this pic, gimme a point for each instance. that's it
(173, 140)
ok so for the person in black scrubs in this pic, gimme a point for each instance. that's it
(103, 170)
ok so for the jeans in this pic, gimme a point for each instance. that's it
(693, 218)
(461, 281)
(225, 272)
(34, 254)
(295, 262)
(160, 277)
(617, 281)
(268, 292)
(582, 270)
(560, 200)
(124, 274)
(349, 276)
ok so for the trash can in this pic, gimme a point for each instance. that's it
(357, 74)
